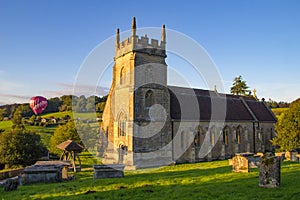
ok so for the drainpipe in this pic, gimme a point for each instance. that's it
(254, 151)
(172, 131)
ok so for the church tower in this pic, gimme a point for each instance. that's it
(136, 118)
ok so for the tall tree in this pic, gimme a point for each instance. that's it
(17, 121)
(288, 128)
(63, 133)
(239, 86)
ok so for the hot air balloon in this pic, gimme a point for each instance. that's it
(38, 104)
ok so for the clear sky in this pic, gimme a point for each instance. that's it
(43, 43)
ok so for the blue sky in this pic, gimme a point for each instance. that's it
(43, 43)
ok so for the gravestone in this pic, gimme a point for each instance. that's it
(109, 171)
(240, 163)
(11, 184)
(269, 171)
(291, 155)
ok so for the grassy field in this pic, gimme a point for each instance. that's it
(207, 180)
(44, 132)
(89, 115)
(6, 125)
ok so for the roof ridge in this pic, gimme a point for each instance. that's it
(248, 108)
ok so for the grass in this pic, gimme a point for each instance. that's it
(87, 115)
(6, 125)
(44, 132)
(206, 180)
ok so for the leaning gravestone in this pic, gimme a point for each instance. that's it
(269, 171)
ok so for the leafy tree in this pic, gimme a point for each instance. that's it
(239, 87)
(100, 107)
(79, 104)
(89, 135)
(62, 133)
(90, 103)
(288, 128)
(17, 121)
(3, 113)
(53, 105)
(20, 147)
(67, 103)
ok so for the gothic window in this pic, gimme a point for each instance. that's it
(197, 140)
(182, 139)
(212, 135)
(122, 125)
(149, 99)
(226, 133)
(238, 134)
(122, 75)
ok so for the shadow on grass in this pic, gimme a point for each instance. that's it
(243, 187)
(178, 183)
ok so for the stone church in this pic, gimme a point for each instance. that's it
(148, 123)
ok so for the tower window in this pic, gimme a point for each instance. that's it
(122, 75)
(122, 125)
(149, 99)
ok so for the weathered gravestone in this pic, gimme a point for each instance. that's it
(240, 163)
(108, 171)
(11, 184)
(269, 171)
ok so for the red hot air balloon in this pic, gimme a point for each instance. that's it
(38, 104)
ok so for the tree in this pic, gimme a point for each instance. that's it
(288, 128)
(63, 133)
(20, 147)
(17, 121)
(3, 113)
(239, 87)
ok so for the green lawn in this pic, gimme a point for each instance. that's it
(206, 180)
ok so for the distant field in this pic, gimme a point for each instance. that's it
(5, 125)
(47, 132)
(279, 111)
(57, 114)
(44, 132)
(89, 115)
(206, 180)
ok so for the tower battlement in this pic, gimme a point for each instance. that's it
(142, 44)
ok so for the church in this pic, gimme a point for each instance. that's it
(148, 123)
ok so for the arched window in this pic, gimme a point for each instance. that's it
(122, 125)
(122, 75)
(198, 136)
(212, 135)
(226, 132)
(149, 99)
(182, 139)
(238, 134)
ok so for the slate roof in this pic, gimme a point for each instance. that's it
(196, 104)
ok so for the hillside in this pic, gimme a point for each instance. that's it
(47, 131)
